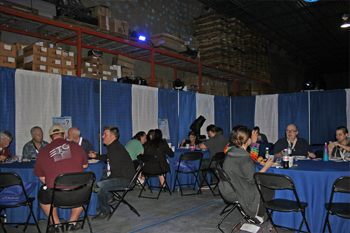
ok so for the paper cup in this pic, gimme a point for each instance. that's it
(291, 161)
(20, 157)
(187, 146)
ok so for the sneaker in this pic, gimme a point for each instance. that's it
(95, 188)
(205, 187)
(101, 216)
(73, 227)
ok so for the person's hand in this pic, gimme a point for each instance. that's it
(92, 154)
(255, 136)
(14, 157)
(2, 157)
(312, 155)
(269, 162)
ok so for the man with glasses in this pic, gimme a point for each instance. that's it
(299, 145)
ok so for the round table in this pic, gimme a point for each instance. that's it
(313, 181)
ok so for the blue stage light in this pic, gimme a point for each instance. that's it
(142, 38)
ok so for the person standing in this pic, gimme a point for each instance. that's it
(74, 135)
(31, 148)
(121, 168)
(58, 157)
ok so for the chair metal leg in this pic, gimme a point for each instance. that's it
(304, 220)
(227, 214)
(2, 224)
(326, 223)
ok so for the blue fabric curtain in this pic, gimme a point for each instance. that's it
(80, 100)
(243, 110)
(167, 108)
(328, 112)
(187, 113)
(8, 107)
(116, 109)
(222, 114)
(293, 109)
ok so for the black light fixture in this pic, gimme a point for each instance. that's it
(178, 84)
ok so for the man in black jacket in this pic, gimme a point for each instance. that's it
(121, 169)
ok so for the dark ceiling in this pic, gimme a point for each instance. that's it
(309, 31)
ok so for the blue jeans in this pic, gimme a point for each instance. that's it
(103, 192)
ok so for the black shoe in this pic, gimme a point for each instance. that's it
(58, 228)
(95, 188)
(114, 201)
(101, 216)
(71, 227)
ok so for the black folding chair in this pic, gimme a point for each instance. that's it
(230, 206)
(8, 179)
(151, 168)
(280, 182)
(189, 156)
(77, 195)
(341, 209)
(218, 158)
(120, 194)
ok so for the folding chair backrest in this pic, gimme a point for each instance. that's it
(151, 165)
(191, 156)
(74, 179)
(218, 158)
(342, 184)
(274, 181)
(9, 179)
(223, 177)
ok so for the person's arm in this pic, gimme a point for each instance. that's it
(2, 157)
(255, 136)
(202, 146)
(42, 179)
(278, 148)
(345, 147)
(25, 152)
(168, 150)
(183, 143)
(86, 165)
(268, 164)
(310, 151)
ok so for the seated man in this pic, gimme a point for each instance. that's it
(74, 135)
(121, 168)
(261, 137)
(5, 140)
(59, 157)
(31, 148)
(216, 143)
(299, 145)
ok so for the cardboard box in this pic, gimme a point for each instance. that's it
(20, 47)
(55, 53)
(119, 26)
(8, 62)
(107, 78)
(20, 62)
(35, 58)
(86, 65)
(66, 55)
(93, 59)
(104, 22)
(54, 70)
(7, 50)
(68, 72)
(124, 61)
(101, 10)
(35, 67)
(68, 64)
(127, 72)
(35, 49)
(91, 75)
(44, 44)
(54, 62)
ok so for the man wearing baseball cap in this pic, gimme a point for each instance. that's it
(59, 157)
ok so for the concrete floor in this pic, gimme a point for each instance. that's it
(171, 213)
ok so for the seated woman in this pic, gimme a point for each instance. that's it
(342, 145)
(135, 146)
(160, 148)
(193, 140)
(240, 167)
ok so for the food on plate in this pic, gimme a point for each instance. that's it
(260, 158)
(263, 162)
(275, 163)
(93, 159)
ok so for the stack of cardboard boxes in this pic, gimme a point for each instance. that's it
(209, 86)
(127, 65)
(40, 56)
(92, 67)
(106, 22)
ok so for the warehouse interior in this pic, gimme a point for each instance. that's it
(290, 45)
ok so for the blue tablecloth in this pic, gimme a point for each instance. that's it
(25, 171)
(313, 181)
(170, 177)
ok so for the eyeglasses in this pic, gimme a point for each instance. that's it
(291, 131)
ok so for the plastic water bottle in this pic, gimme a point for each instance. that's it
(108, 168)
(289, 150)
(285, 159)
(267, 153)
(325, 152)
